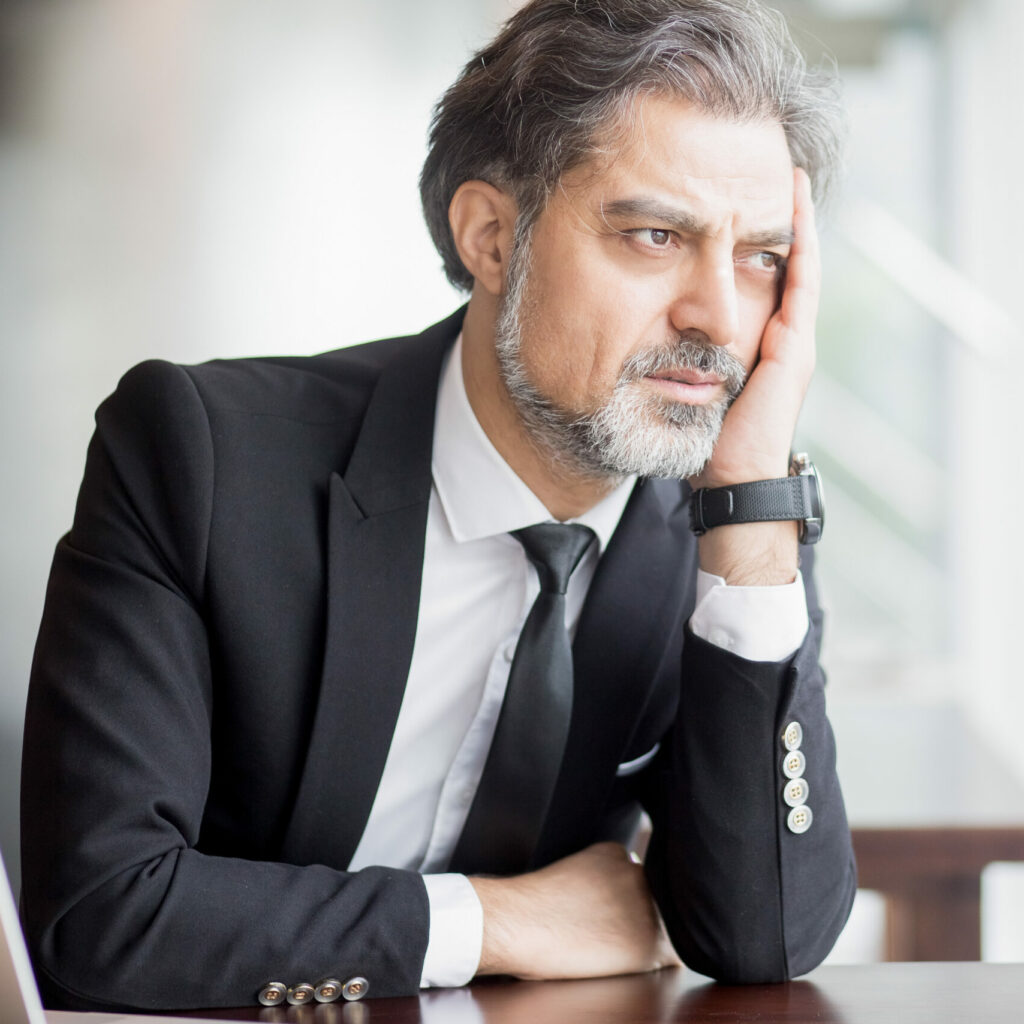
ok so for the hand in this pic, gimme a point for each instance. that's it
(758, 429)
(588, 915)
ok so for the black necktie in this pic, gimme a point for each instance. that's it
(511, 803)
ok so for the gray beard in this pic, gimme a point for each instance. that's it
(636, 432)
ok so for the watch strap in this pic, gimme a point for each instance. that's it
(758, 501)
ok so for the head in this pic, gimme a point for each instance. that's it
(550, 106)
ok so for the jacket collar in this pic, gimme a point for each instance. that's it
(390, 465)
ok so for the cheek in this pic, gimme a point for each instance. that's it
(572, 332)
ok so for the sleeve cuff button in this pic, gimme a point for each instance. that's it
(299, 995)
(793, 736)
(355, 988)
(272, 994)
(799, 819)
(796, 792)
(327, 991)
(793, 764)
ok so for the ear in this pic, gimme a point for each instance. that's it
(482, 219)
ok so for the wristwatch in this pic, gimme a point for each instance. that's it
(797, 496)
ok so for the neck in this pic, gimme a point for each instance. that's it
(565, 492)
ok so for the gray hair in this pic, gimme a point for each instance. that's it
(535, 102)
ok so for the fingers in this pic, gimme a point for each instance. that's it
(803, 272)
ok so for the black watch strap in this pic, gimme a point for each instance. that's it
(760, 501)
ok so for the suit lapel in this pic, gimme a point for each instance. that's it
(376, 525)
(633, 608)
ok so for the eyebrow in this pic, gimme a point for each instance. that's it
(686, 222)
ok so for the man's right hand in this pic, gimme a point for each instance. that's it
(585, 916)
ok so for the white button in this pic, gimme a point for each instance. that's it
(355, 988)
(793, 764)
(796, 792)
(508, 652)
(467, 796)
(721, 638)
(793, 736)
(799, 819)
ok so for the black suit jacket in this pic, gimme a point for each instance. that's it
(224, 648)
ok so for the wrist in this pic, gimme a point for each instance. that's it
(503, 938)
(796, 497)
(725, 476)
(752, 554)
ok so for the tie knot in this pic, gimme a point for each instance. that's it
(555, 550)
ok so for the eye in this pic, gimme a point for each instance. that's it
(652, 238)
(771, 261)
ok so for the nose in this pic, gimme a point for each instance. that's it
(705, 297)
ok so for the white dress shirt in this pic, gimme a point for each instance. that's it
(476, 592)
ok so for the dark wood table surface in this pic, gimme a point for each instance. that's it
(932, 993)
(931, 806)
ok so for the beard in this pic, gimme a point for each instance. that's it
(636, 431)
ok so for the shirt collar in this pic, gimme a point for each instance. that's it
(479, 492)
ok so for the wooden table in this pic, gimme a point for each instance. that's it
(964, 993)
(931, 807)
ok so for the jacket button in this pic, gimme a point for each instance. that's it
(300, 994)
(792, 736)
(799, 819)
(272, 994)
(796, 792)
(355, 988)
(327, 991)
(793, 764)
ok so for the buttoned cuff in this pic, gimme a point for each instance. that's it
(456, 931)
(757, 623)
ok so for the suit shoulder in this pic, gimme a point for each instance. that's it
(323, 388)
(329, 387)
(167, 405)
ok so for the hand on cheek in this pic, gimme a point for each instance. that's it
(758, 430)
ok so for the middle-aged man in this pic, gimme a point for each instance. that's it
(278, 744)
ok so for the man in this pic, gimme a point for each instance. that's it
(274, 742)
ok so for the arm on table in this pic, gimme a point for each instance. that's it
(743, 897)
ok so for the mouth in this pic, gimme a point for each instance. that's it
(689, 386)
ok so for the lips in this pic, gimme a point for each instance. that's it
(694, 378)
(686, 387)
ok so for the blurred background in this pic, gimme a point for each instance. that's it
(193, 179)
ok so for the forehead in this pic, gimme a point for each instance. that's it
(674, 151)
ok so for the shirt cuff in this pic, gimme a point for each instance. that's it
(456, 931)
(757, 623)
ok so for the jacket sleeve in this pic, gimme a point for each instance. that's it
(745, 897)
(122, 908)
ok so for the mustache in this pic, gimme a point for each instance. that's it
(691, 350)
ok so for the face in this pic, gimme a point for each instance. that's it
(635, 312)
